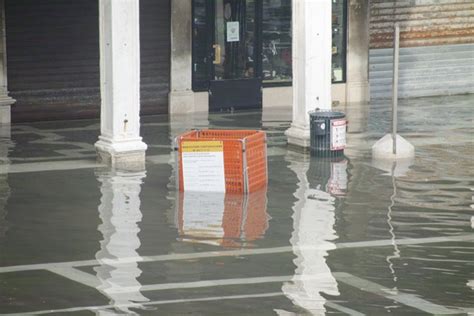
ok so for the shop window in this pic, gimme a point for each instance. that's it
(338, 41)
(201, 41)
(276, 41)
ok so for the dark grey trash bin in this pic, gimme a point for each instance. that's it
(328, 133)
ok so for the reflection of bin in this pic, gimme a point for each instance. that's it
(229, 220)
(244, 160)
(329, 175)
(328, 133)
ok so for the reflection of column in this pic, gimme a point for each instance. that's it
(120, 213)
(5, 100)
(180, 123)
(4, 195)
(313, 222)
(5, 144)
(471, 283)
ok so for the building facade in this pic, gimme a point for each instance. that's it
(195, 56)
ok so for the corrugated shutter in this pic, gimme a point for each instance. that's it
(437, 47)
(53, 58)
(424, 71)
(422, 22)
(155, 28)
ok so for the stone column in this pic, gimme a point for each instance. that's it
(312, 42)
(5, 100)
(181, 97)
(357, 90)
(120, 143)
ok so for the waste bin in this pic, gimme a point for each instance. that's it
(327, 133)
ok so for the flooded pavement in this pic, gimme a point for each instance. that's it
(347, 236)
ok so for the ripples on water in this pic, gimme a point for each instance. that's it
(310, 206)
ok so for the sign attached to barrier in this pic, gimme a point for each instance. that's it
(338, 134)
(203, 166)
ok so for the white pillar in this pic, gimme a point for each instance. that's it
(312, 42)
(5, 100)
(358, 41)
(120, 143)
(181, 97)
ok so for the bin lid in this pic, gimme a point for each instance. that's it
(327, 114)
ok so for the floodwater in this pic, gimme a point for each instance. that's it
(349, 236)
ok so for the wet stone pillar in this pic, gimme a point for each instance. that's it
(312, 42)
(181, 97)
(5, 100)
(120, 143)
(358, 52)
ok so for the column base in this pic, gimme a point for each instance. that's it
(181, 102)
(298, 136)
(122, 154)
(358, 92)
(5, 109)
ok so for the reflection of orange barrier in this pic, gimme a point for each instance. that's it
(229, 220)
(245, 157)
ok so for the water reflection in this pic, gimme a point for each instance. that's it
(228, 220)
(313, 234)
(5, 145)
(120, 213)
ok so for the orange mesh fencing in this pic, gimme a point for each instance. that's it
(245, 157)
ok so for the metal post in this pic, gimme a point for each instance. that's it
(396, 48)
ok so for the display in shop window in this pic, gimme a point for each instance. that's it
(276, 41)
(338, 41)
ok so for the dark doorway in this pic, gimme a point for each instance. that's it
(226, 51)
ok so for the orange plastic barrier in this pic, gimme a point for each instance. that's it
(245, 157)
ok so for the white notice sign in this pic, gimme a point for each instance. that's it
(338, 134)
(203, 166)
(233, 32)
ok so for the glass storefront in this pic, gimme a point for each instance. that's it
(276, 41)
(339, 26)
(272, 29)
(201, 41)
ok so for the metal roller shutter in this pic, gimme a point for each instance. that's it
(422, 22)
(53, 58)
(437, 47)
(155, 28)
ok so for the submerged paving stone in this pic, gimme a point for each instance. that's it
(76, 237)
